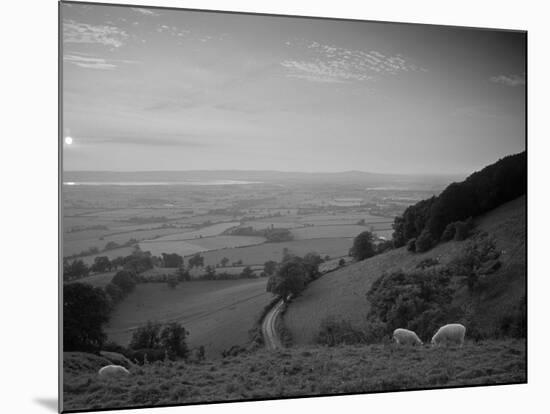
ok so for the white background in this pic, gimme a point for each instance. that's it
(28, 129)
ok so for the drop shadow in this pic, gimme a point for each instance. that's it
(49, 403)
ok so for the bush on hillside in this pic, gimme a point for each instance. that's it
(363, 246)
(424, 242)
(411, 245)
(125, 281)
(417, 300)
(85, 310)
(334, 332)
(146, 336)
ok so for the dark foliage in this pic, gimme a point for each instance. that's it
(419, 301)
(74, 270)
(125, 280)
(336, 332)
(482, 191)
(172, 260)
(424, 242)
(101, 264)
(363, 246)
(146, 336)
(85, 310)
(172, 339)
(196, 261)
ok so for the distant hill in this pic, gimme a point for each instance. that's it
(275, 177)
(342, 293)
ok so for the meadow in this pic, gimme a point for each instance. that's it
(304, 371)
(218, 314)
(198, 245)
(255, 255)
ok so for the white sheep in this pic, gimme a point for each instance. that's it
(448, 334)
(113, 371)
(406, 337)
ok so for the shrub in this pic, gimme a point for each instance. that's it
(146, 336)
(424, 242)
(463, 229)
(172, 339)
(449, 232)
(416, 300)
(85, 310)
(363, 246)
(411, 245)
(114, 292)
(335, 332)
(124, 280)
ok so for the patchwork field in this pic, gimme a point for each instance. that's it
(218, 314)
(190, 247)
(256, 255)
(316, 232)
(208, 231)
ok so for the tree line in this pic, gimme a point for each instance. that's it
(427, 222)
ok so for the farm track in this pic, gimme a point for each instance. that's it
(269, 331)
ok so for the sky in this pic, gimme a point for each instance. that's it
(160, 89)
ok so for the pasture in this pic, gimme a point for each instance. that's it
(190, 247)
(256, 255)
(304, 371)
(218, 314)
(316, 232)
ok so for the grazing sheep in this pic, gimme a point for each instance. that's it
(406, 337)
(113, 371)
(451, 333)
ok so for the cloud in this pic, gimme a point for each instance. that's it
(75, 32)
(184, 140)
(90, 62)
(146, 12)
(509, 80)
(332, 64)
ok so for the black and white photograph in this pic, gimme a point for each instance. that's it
(261, 207)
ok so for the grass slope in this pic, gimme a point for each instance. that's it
(218, 314)
(294, 372)
(341, 293)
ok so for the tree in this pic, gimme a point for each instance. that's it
(101, 264)
(341, 262)
(290, 278)
(172, 260)
(124, 280)
(363, 246)
(311, 263)
(85, 310)
(74, 270)
(425, 241)
(172, 339)
(247, 273)
(183, 274)
(146, 336)
(172, 281)
(270, 266)
(196, 261)
(224, 261)
(114, 292)
(210, 273)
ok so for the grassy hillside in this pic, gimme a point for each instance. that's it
(341, 294)
(293, 372)
(218, 314)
